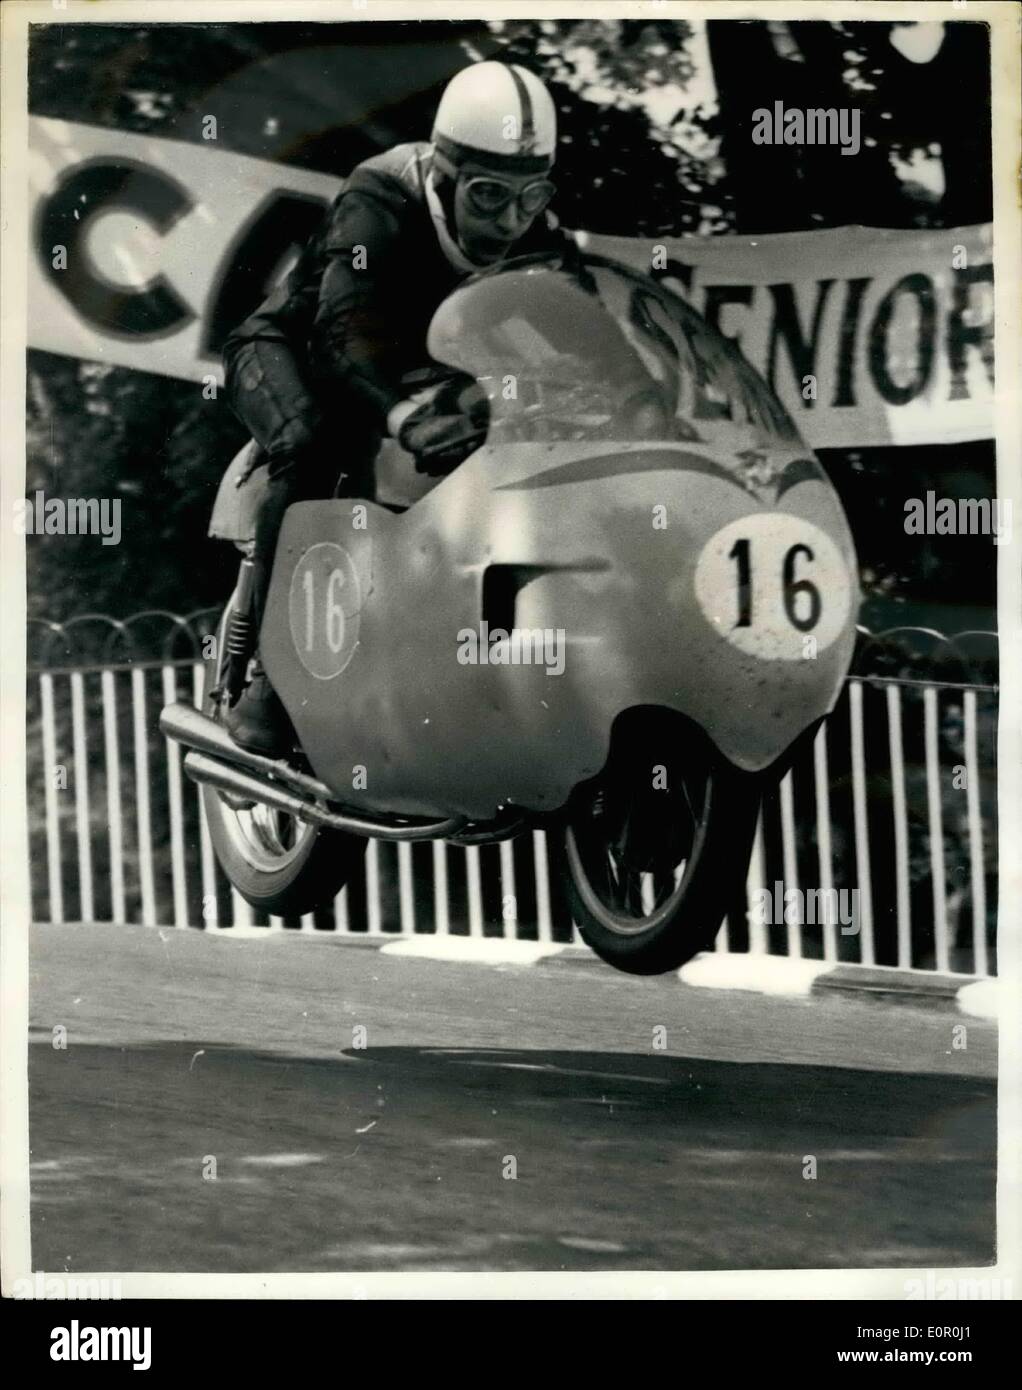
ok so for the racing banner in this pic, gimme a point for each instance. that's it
(147, 251)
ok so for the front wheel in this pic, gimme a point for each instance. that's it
(279, 864)
(652, 851)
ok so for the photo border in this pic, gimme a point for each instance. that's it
(817, 1284)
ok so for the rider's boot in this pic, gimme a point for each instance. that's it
(257, 721)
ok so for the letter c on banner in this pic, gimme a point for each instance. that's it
(90, 190)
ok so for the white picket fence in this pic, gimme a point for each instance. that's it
(897, 802)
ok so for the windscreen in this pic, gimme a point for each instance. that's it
(598, 352)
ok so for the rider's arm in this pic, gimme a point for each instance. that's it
(353, 333)
(264, 378)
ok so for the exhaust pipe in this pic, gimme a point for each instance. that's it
(196, 730)
(202, 768)
(216, 760)
(210, 771)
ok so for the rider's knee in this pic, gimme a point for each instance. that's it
(266, 393)
(292, 446)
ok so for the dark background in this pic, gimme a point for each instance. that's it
(326, 96)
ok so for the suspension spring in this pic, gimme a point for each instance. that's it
(240, 636)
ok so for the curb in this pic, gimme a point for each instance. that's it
(776, 975)
(895, 984)
(968, 994)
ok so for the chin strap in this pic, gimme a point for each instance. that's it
(448, 245)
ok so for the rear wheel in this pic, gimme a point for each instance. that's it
(653, 849)
(279, 864)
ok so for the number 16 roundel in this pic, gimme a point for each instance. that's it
(324, 606)
(768, 581)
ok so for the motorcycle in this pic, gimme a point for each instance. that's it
(618, 618)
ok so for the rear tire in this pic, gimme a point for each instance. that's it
(280, 865)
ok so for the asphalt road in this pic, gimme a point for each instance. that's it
(184, 1047)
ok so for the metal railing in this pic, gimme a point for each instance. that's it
(894, 804)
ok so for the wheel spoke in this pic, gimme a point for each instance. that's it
(648, 895)
(633, 903)
(694, 815)
(664, 885)
(616, 886)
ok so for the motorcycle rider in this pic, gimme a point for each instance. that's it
(316, 372)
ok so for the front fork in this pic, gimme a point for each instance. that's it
(240, 634)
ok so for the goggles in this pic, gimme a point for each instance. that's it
(488, 196)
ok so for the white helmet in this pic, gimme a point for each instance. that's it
(496, 114)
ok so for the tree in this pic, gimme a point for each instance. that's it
(912, 113)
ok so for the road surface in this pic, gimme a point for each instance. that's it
(496, 1118)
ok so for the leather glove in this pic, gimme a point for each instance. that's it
(439, 442)
(462, 395)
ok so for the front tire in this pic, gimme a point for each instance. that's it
(649, 871)
(280, 865)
